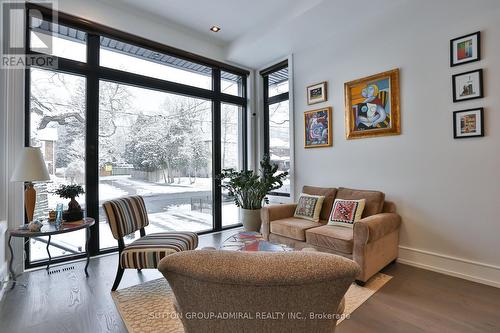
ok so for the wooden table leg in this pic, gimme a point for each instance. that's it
(48, 252)
(11, 270)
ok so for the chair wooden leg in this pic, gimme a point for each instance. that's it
(139, 270)
(118, 278)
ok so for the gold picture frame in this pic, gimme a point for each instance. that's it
(372, 106)
(317, 93)
(318, 128)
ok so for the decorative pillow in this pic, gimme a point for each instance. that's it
(309, 207)
(346, 212)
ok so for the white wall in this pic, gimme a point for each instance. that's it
(447, 190)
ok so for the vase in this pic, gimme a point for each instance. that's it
(250, 219)
(74, 205)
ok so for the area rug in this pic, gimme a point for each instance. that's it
(148, 307)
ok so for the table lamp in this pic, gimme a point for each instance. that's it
(30, 168)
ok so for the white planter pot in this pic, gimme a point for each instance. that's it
(250, 219)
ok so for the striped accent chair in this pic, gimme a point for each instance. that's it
(128, 215)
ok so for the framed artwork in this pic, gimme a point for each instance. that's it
(318, 128)
(468, 123)
(465, 49)
(372, 106)
(316, 93)
(468, 85)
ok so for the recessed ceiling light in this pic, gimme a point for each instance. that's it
(215, 28)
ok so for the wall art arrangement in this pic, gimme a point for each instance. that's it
(468, 123)
(372, 106)
(318, 128)
(317, 93)
(467, 86)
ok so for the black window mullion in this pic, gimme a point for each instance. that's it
(244, 124)
(92, 141)
(216, 149)
(142, 81)
(266, 114)
(278, 98)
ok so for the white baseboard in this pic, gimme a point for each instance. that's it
(458, 267)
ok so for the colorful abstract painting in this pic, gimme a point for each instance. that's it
(372, 105)
(318, 128)
(464, 50)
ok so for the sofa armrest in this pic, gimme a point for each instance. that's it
(374, 227)
(273, 213)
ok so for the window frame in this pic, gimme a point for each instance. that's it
(93, 73)
(265, 73)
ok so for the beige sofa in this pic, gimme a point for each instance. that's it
(372, 243)
(231, 291)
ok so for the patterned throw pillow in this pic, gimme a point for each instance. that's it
(346, 212)
(309, 207)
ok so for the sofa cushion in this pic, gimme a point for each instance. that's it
(329, 194)
(374, 199)
(309, 206)
(332, 237)
(292, 227)
(346, 212)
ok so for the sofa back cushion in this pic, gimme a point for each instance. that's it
(374, 199)
(329, 194)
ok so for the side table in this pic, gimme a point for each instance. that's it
(50, 230)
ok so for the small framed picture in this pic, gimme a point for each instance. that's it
(316, 93)
(318, 128)
(468, 85)
(468, 123)
(465, 49)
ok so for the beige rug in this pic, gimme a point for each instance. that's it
(148, 308)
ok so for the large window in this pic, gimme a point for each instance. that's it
(277, 120)
(157, 145)
(231, 156)
(120, 116)
(57, 125)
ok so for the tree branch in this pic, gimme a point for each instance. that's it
(60, 119)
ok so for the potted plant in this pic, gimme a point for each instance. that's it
(74, 212)
(249, 190)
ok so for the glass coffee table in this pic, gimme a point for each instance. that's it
(252, 241)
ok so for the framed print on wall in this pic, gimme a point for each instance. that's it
(468, 85)
(465, 49)
(372, 106)
(468, 123)
(318, 128)
(316, 93)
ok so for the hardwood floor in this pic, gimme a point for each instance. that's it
(415, 300)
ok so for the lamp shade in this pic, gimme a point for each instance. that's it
(30, 166)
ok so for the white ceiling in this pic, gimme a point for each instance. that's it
(256, 32)
(234, 17)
